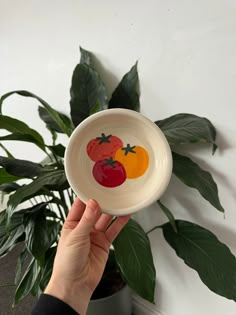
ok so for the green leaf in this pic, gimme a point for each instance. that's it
(40, 233)
(9, 187)
(126, 94)
(134, 257)
(58, 149)
(85, 57)
(27, 282)
(188, 128)
(20, 168)
(10, 240)
(36, 290)
(54, 178)
(20, 137)
(19, 266)
(5, 177)
(54, 136)
(87, 90)
(32, 210)
(36, 236)
(192, 175)
(201, 250)
(15, 222)
(18, 127)
(51, 123)
(47, 270)
(53, 113)
(169, 215)
(53, 229)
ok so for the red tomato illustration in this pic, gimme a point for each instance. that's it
(103, 147)
(109, 173)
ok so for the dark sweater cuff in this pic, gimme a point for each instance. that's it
(49, 305)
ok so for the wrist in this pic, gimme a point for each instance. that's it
(74, 295)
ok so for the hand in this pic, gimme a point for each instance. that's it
(82, 253)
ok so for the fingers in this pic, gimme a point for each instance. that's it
(84, 218)
(75, 214)
(90, 216)
(103, 222)
(116, 227)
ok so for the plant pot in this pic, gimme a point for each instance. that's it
(119, 303)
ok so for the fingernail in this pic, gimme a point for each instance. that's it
(92, 204)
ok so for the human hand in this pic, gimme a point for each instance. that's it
(82, 253)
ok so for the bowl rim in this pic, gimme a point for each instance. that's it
(168, 170)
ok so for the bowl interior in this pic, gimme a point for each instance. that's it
(131, 128)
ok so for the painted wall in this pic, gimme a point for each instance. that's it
(186, 51)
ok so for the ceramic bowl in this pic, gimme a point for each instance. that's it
(119, 158)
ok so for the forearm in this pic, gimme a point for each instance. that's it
(50, 305)
(76, 297)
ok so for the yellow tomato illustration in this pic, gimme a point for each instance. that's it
(135, 160)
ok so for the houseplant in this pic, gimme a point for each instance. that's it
(49, 196)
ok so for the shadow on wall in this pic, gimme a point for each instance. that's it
(191, 207)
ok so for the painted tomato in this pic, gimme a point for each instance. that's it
(109, 173)
(103, 147)
(135, 160)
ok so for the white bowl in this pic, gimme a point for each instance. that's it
(134, 178)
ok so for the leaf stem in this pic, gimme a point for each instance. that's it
(6, 151)
(153, 229)
(70, 197)
(62, 196)
(168, 214)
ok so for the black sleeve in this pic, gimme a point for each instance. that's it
(50, 305)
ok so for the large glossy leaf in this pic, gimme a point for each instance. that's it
(126, 94)
(188, 128)
(53, 113)
(10, 234)
(15, 222)
(38, 195)
(40, 233)
(193, 176)
(36, 290)
(51, 123)
(20, 264)
(9, 187)
(87, 92)
(20, 168)
(18, 127)
(10, 240)
(54, 178)
(28, 280)
(58, 149)
(53, 229)
(20, 137)
(32, 210)
(36, 236)
(134, 257)
(5, 177)
(85, 57)
(201, 250)
(47, 270)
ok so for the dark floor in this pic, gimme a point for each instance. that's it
(7, 274)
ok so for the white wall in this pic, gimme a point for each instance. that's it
(187, 63)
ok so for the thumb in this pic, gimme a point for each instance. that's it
(90, 216)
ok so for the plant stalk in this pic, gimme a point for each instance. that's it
(153, 229)
(61, 193)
